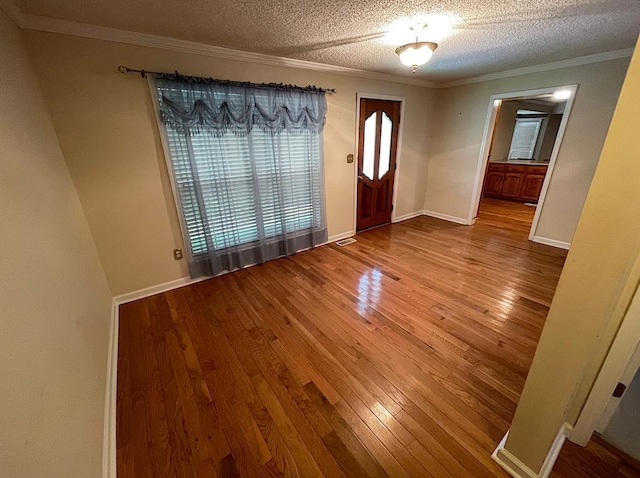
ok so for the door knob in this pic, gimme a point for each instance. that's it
(360, 178)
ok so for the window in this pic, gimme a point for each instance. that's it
(244, 200)
(525, 137)
(247, 168)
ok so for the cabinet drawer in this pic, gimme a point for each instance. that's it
(497, 166)
(516, 168)
(537, 170)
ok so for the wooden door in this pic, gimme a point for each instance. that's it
(377, 146)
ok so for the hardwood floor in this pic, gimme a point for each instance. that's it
(403, 354)
(597, 459)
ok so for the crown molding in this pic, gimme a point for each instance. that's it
(66, 27)
(556, 65)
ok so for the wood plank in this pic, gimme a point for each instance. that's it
(403, 354)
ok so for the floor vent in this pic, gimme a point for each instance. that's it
(345, 242)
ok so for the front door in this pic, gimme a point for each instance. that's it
(378, 142)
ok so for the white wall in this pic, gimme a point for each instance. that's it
(55, 302)
(461, 113)
(108, 133)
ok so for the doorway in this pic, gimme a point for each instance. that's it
(612, 408)
(378, 141)
(522, 137)
(620, 422)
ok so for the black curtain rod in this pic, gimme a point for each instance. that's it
(143, 74)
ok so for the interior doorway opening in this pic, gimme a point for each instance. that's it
(522, 137)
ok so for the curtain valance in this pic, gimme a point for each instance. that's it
(192, 105)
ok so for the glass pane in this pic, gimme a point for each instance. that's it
(385, 146)
(369, 145)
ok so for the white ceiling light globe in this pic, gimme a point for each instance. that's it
(416, 54)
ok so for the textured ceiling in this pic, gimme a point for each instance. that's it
(490, 35)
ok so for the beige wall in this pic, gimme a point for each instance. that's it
(106, 129)
(55, 300)
(105, 124)
(461, 113)
(505, 123)
(599, 278)
(550, 134)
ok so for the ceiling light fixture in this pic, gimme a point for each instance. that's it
(562, 95)
(417, 53)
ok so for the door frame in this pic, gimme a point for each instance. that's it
(618, 362)
(614, 402)
(394, 196)
(494, 104)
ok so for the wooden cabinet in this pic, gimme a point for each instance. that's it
(520, 182)
(531, 187)
(493, 183)
(511, 185)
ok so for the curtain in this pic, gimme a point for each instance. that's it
(247, 168)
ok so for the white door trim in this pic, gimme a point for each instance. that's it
(614, 403)
(374, 96)
(494, 103)
(109, 449)
(613, 369)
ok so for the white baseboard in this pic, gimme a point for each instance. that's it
(551, 242)
(339, 237)
(109, 452)
(404, 217)
(184, 281)
(446, 217)
(512, 465)
(156, 289)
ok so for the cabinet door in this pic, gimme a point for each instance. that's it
(493, 183)
(512, 185)
(531, 187)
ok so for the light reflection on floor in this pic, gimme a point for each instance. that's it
(369, 288)
(506, 303)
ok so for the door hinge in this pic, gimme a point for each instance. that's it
(619, 391)
(395, 166)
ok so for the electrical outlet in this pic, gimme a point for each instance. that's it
(177, 254)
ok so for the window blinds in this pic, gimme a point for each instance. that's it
(525, 137)
(244, 198)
